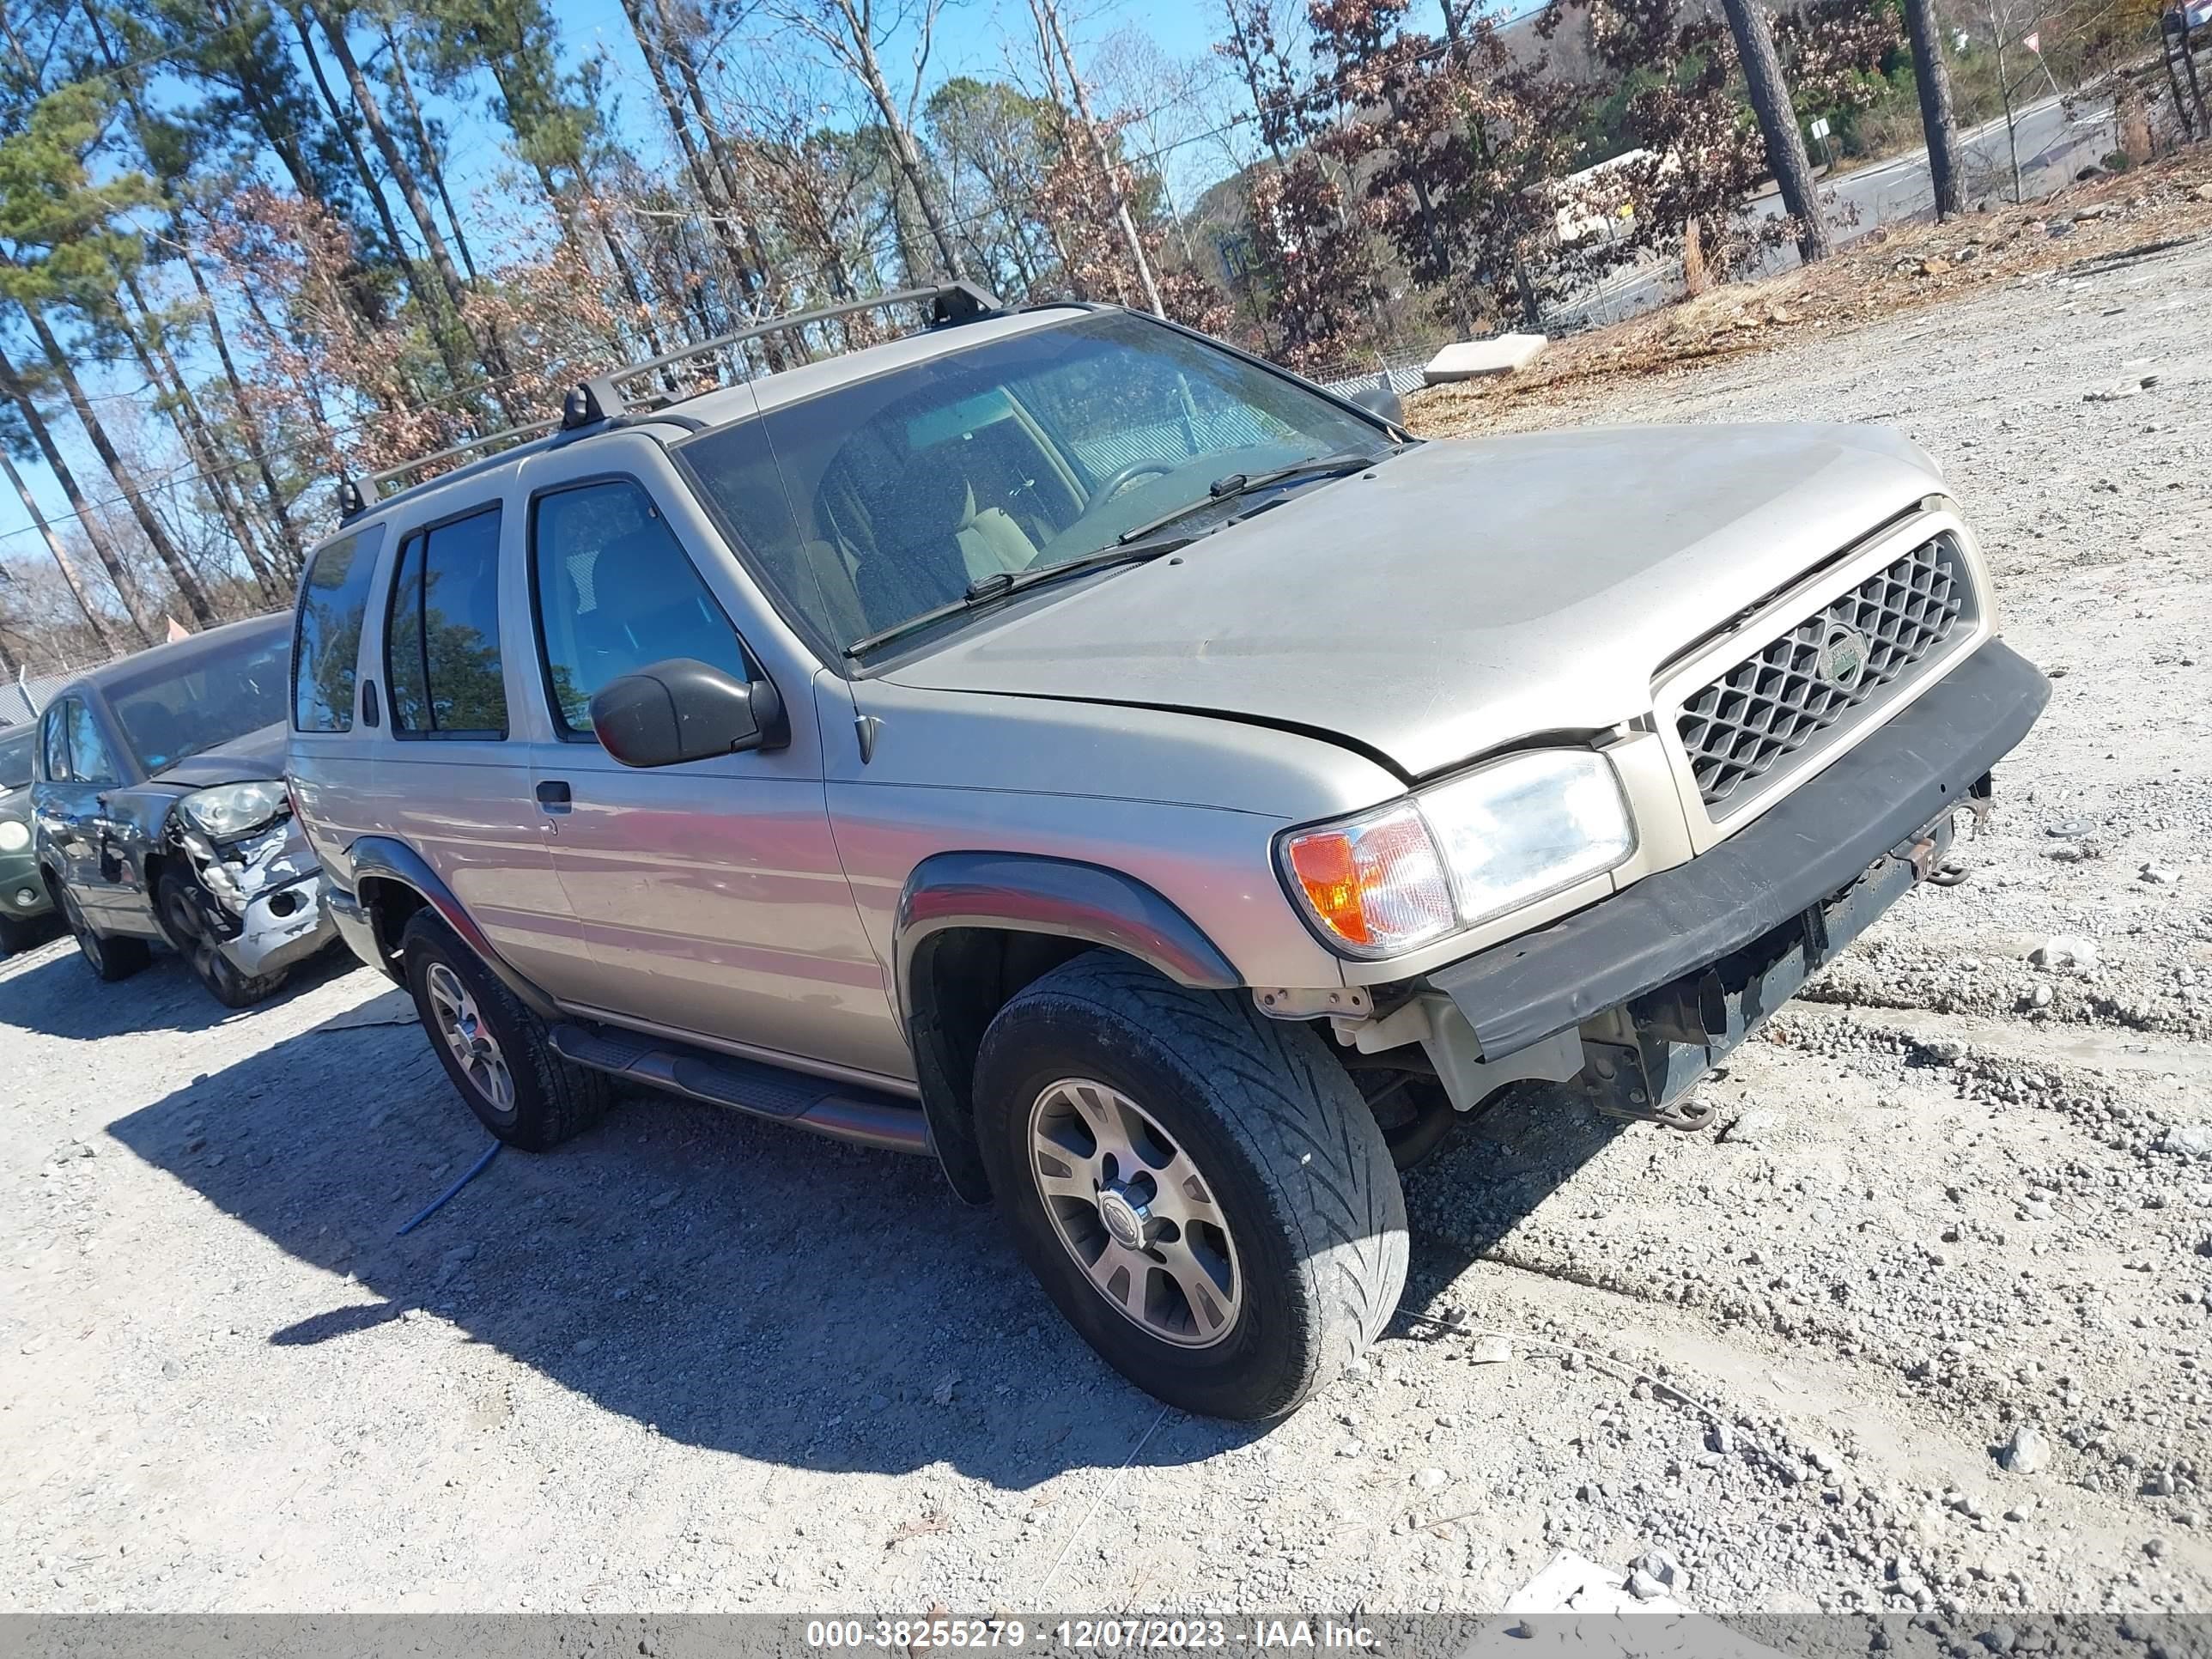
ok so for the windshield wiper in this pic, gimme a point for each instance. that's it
(1248, 484)
(989, 590)
(1004, 584)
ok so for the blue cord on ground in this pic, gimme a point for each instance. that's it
(439, 1202)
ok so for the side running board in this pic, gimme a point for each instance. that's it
(843, 1111)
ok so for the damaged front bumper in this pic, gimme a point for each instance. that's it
(1638, 996)
(261, 897)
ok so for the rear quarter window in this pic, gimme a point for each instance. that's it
(326, 657)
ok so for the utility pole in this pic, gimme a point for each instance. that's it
(2004, 92)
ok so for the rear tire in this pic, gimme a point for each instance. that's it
(492, 1048)
(110, 959)
(1215, 1136)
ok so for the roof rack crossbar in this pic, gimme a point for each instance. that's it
(601, 397)
(513, 435)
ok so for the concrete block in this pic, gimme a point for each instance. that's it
(1470, 360)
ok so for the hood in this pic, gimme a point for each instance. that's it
(253, 758)
(1466, 595)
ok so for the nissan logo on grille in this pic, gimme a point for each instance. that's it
(1842, 658)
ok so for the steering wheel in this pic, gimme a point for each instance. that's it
(1121, 477)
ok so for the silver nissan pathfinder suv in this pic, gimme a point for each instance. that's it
(1166, 793)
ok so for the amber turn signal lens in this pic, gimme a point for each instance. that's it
(1324, 868)
(1377, 884)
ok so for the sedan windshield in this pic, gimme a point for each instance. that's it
(896, 494)
(15, 759)
(175, 709)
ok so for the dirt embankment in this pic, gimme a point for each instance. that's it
(2089, 228)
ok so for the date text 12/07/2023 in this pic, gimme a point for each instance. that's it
(1075, 1636)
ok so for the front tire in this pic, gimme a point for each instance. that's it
(1199, 1189)
(187, 928)
(492, 1048)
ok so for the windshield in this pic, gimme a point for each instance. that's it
(175, 710)
(15, 759)
(888, 497)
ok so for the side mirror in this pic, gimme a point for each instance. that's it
(1379, 400)
(683, 710)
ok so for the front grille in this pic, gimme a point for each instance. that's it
(1780, 701)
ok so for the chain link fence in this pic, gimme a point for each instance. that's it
(23, 698)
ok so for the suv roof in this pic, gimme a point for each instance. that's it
(961, 314)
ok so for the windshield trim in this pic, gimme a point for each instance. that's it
(830, 653)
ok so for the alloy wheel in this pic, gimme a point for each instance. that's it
(1135, 1212)
(467, 1038)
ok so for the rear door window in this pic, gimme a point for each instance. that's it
(333, 603)
(616, 593)
(442, 640)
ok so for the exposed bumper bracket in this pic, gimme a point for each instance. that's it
(1645, 1057)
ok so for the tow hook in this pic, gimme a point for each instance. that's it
(1951, 872)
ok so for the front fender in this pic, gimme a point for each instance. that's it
(1013, 892)
(1025, 894)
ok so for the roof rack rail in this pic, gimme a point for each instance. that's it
(600, 397)
(354, 499)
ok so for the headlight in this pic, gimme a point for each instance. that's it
(1461, 852)
(14, 835)
(234, 808)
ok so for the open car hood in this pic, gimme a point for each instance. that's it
(1465, 594)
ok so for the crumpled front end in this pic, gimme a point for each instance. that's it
(260, 894)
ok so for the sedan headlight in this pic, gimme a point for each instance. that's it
(1461, 852)
(234, 808)
(14, 835)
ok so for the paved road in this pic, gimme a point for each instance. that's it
(2054, 143)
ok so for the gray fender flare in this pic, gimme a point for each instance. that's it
(379, 858)
(1026, 893)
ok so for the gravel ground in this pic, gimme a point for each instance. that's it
(1920, 1323)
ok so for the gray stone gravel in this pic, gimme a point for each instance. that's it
(1918, 1326)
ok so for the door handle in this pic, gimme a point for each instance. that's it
(553, 796)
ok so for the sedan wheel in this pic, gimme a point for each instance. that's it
(110, 959)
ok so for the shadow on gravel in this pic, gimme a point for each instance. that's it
(1487, 1178)
(736, 1285)
(50, 989)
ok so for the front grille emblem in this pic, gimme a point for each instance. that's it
(1842, 658)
